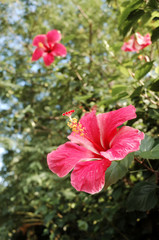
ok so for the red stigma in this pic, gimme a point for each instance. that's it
(69, 113)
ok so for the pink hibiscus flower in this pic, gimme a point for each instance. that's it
(48, 47)
(137, 42)
(95, 142)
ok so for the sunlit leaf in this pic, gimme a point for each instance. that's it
(143, 70)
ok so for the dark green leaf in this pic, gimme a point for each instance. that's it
(135, 15)
(136, 92)
(83, 225)
(131, 21)
(131, 6)
(143, 70)
(152, 154)
(117, 170)
(154, 4)
(155, 34)
(155, 86)
(142, 197)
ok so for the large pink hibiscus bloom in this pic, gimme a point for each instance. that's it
(48, 47)
(94, 142)
(137, 42)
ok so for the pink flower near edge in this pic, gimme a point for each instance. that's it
(48, 47)
(137, 42)
(94, 143)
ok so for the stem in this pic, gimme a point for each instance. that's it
(151, 53)
(140, 170)
(145, 165)
(90, 43)
(90, 33)
(149, 163)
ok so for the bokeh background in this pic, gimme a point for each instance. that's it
(34, 203)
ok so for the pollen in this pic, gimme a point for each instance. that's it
(40, 44)
(74, 124)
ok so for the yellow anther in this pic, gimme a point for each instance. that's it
(75, 126)
(40, 44)
(73, 123)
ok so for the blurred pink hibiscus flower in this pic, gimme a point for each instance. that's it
(48, 47)
(94, 143)
(137, 42)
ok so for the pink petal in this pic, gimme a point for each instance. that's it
(141, 42)
(75, 138)
(147, 38)
(91, 138)
(62, 160)
(89, 176)
(39, 38)
(59, 50)
(108, 122)
(128, 46)
(125, 141)
(90, 124)
(48, 58)
(139, 38)
(137, 42)
(37, 54)
(53, 36)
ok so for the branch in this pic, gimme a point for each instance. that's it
(90, 33)
(145, 165)
(149, 169)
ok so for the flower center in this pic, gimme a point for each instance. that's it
(74, 124)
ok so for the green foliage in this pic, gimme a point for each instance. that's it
(36, 204)
(148, 149)
(117, 170)
(154, 86)
(143, 197)
(131, 12)
(143, 70)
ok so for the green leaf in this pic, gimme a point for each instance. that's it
(155, 86)
(124, 70)
(145, 18)
(83, 98)
(131, 20)
(142, 197)
(155, 34)
(143, 70)
(68, 193)
(152, 154)
(136, 92)
(49, 217)
(68, 38)
(153, 4)
(135, 15)
(147, 150)
(118, 89)
(82, 225)
(146, 144)
(117, 170)
(111, 100)
(131, 6)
